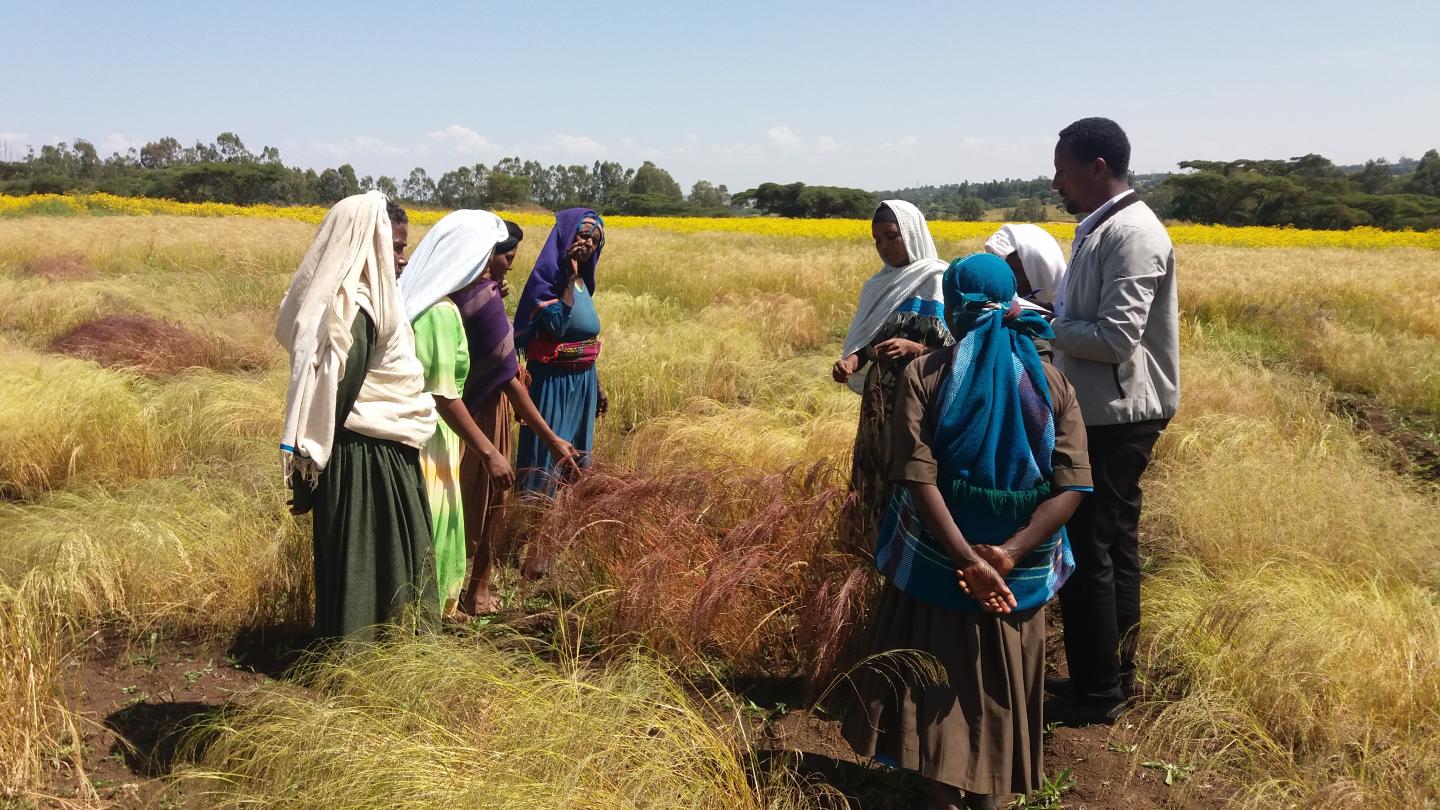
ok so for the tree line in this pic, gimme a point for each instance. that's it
(224, 170)
(1306, 192)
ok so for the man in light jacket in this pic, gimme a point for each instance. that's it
(1117, 338)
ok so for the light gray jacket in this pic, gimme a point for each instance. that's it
(1119, 337)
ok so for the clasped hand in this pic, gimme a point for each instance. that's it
(984, 579)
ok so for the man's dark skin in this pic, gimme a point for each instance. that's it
(1082, 186)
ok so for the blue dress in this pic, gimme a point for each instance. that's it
(566, 399)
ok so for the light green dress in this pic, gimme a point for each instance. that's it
(445, 355)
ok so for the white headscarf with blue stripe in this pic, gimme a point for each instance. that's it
(891, 287)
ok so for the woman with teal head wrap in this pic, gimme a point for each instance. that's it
(989, 461)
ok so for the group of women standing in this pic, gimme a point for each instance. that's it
(404, 382)
(969, 458)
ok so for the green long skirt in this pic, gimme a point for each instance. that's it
(374, 556)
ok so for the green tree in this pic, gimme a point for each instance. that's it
(651, 179)
(504, 188)
(418, 187)
(707, 195)
(460, 188)
(1376, 177)
(1029, 210)
(608, 179)
(86, 157)
(970, 209)
(331, 187)
(347, 180)
(231, 149)
(1426, 179)
(161, 154)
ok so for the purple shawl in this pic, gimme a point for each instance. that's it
(548, 279)
(492, 344)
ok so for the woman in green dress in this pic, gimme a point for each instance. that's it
(451, 258)
(355, 419)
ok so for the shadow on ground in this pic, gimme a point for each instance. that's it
(150, 737)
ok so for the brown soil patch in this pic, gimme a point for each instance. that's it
(1409, 436)
(138, 700)
(65, 267)
(136, 342)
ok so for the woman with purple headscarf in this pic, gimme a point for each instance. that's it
(494, 393)
(558, 328)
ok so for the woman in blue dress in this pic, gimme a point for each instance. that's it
(557, 327)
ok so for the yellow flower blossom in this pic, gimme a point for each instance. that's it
(1183, 234)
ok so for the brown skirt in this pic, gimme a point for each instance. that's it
(982, 732)
(485, 503)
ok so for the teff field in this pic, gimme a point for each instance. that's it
(1292, 626)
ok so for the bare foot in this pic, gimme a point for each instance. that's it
(480, 602)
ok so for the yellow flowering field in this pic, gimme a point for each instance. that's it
(1356, 238)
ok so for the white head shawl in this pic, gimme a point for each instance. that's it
(1040, 255)
(450, 257)
(349, 267)
(885, 291)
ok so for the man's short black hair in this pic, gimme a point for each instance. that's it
(397, 214)
(1091, 138)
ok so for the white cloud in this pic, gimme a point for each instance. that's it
(462, 140)
(117, 142)
(907, 142)
(785, 138)
(577, 146)
(358, 146)
(734, 150)
(14, 138)
(826, 145)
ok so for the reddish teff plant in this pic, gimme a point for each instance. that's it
(64, 267)
(150, 346)
(738, 568)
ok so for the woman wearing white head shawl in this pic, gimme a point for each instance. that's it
(900, 317)
(1036, 259)
(452, 257)
(355, 418)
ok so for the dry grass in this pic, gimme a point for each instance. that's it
(65, 267)
(1293, 608)
(1369, 322)
(463, 722)
(1292, 597)
(66, 420)
(36, 725)
(206, 554)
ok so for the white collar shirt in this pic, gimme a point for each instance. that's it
(1082, 231)
(1088, 223)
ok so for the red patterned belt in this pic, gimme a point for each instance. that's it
(576, 355)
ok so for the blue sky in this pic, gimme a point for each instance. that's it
(877, 96)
